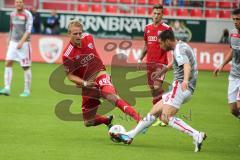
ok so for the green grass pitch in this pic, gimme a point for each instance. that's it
(30, 130)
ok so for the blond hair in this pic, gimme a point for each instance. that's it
(76, 23)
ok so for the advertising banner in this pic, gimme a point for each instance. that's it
(48, 49)
(121, 27)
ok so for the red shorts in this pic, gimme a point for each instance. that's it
(151, 68)
(90, 97)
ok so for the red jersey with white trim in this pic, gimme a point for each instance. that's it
(154, 52)
(82, 62)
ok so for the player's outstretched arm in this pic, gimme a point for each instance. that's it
(140, 66)
(23, 39)
(187, 72)
(226, 61)
(80, 82)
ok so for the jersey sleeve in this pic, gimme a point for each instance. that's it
(29, 22)
(91, 40)
(68, 65)
(181, 56)
(145, 34)
(11, 24)
(67, 59)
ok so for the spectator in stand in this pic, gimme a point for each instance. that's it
(36, 21)
(167, 2)
(225, 36)
(181, 3)
(52, 24)
(194, 3)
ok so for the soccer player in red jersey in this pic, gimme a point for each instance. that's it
(85, 68)
(156, 56)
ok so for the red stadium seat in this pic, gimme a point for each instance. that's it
(211, 4)
(196, 12)
(140, 10)
(126, 1)
(141, 1)
(111, 1)
(57, 6)
(150, 10)
(154, 2)
(96, 0)
(125, 11)
(168, 12)
(225, 4)
(96, 8)
(224, 14)
(235, 4)
(83, 7)
(29, 2)
(111, 9)
(211, 14)
(182, 12)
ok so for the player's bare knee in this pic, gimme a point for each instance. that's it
(164, 118)
(112, 97)
(9, 63)
(88, 123)
(235, 112)
(25, 68)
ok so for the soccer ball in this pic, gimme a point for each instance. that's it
(115, 130)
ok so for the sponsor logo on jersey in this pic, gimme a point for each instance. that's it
(17, 21)
(21, 17)
(90, 45)
(235, 47)
(50, 48)
(87, 59)
(152, 38)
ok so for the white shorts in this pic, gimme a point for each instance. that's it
(176, 97)
(22, 55)
(233, 90)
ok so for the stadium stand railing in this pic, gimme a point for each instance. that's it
(178, 8)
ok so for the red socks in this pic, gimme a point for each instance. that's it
(128, 109)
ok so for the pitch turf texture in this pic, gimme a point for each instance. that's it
(30, 129)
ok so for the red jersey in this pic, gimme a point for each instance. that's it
(154, 52)
(82, 62)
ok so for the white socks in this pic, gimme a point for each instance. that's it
(174, 122)
(144, 123)
(7, 77)
(27, 80)
(180, 125)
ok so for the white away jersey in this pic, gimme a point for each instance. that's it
(182, 54)
(235, 45)
(19, 24)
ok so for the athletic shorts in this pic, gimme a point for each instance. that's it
(151, 68)
(90, 97)
(176, 97)
(22, 55)
(233, 90)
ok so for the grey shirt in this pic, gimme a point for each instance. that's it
(183, 54)
(235, 45)
(19, 24)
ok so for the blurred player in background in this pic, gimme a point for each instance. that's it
(85, 68)
(234, 76)
(185, 77)
(156, 56)
(19, 48)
